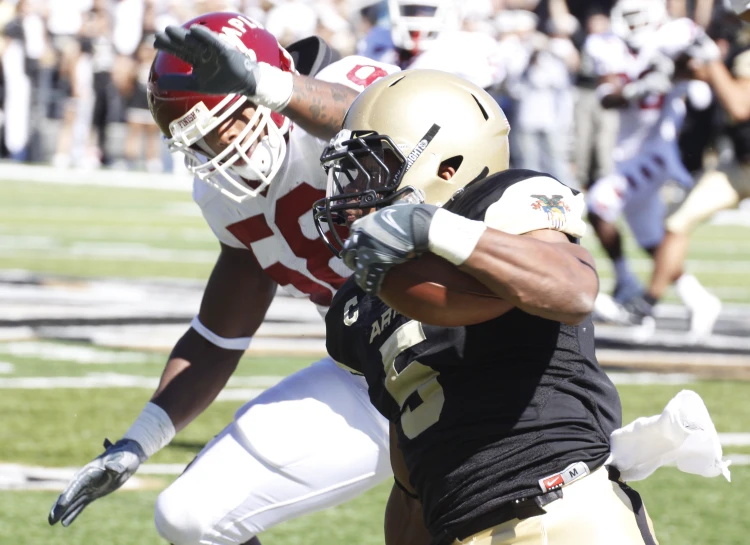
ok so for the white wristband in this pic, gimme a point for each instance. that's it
(237, 343)
(153, 429)
(453, 237)
(274, 88)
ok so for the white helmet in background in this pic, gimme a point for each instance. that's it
(416, 23)
(636, 21)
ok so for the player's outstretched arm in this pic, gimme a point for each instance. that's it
(235, 302)
(318, 106)
(218, 68)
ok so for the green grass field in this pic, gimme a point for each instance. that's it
(65, 427)
(111, 232)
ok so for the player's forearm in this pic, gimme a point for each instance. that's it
(196, 372)
(733, 94)
(541, 278)
(609, 91)
(319, 107)
(611, 97)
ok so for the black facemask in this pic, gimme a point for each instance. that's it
(364, 172)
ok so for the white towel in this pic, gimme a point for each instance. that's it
(682, 434)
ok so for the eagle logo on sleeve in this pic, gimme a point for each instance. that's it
(554, 207)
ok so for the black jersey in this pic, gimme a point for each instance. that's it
(483, 412)
(739, 65)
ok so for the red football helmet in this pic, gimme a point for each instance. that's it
(185, 117)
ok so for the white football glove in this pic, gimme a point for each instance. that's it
(704, 49)
(656, 83)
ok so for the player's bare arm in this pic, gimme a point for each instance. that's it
(541, 273)
(404, 523)
(234, 304)
(610, 92)
(319, 107)
(219, 68)
(733, 93)
(614, 93)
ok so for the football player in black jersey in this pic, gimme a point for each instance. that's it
(500, 430)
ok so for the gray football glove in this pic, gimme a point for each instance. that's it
(704, 49)
(386, 238)
(218, 68)
(105, 474)
(652, 83)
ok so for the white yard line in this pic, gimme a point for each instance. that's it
(113, 251)
(69, 352)
(620, 378)
(248, 385)
(735, 439)
(14, 173)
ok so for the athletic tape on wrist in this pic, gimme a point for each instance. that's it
(633, 90)
(453, 237)
(237, 343)
(153, 429)
(274, 88)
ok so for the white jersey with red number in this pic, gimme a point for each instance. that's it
(611, 56)
(278, 226)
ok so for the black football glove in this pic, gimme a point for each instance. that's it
(218, 68)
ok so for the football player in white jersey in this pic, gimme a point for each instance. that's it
(429, 34)
(226, 94)
(636, 65)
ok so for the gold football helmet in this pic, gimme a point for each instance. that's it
(398, 139)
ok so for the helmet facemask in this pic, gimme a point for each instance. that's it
(415, 24)
(222, 170)
(364, 171)
(637, 21)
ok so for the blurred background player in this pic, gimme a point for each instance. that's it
(539, 89)
(313, 440)
(433, 34)
(639, 67)
(717, 189)
(143, 137)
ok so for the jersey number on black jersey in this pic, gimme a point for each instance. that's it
(415, 387)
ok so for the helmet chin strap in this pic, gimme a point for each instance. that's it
(261, 160)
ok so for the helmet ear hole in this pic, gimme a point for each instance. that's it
(454, 162)
(449, 167)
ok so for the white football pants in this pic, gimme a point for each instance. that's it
(312, 441)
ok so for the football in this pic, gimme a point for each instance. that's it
(435, 292)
